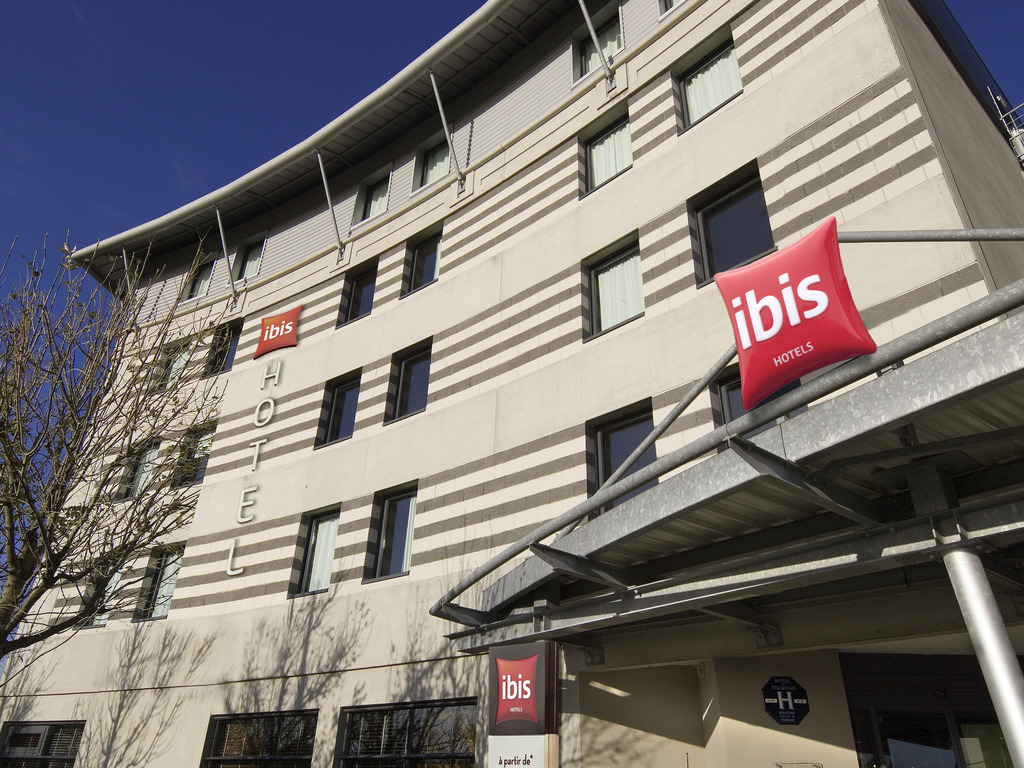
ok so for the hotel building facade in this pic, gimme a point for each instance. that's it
(496, 308)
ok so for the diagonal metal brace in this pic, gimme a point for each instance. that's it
(581, 568)
(830, 496)
(468, 616)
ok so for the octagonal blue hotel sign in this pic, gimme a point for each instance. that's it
(785, 700)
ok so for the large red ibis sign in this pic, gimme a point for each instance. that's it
(792, 313)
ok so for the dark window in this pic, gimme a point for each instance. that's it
(391, 553)
(733, 229)
(41, 745)
(439, 734)
(614, 439)
(666, 5)
(106, 606)
(158, 583)
(616, 290)
(338, 415)
(433, 164)
(249, 258)
(422, 264)
(138, 471)
(223, 347)
(171, 366)
(193, 456)
(710, 84)
(375, 199)
(357, 293)
(410, 373)
(727, 402)
(318, 553)
(282, 740)
(196, 286)
(608, 154)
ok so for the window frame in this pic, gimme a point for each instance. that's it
(210, 760)
(198, 285)
(308, 542)
(685, 121)
(345, 384)
(593, 270)
(423, 165)
(129, 486)
(722, 407)
(223, 348)
(360, 277)
(243, 261)
(364, 200)
(402, 380)
(413, 262)
(703, 257)
(384, 532)
(105, 606)
(583, 46)
(14, 727)
(189, 451)
(599, 464)
(587, 151)
(346, 757)
(163, 569)
(173, 360)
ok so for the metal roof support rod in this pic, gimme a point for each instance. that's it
(330, 205)
(659, 430)
(933, 235)
(124, 255)
(984, 309)
(447, 133)
(609, 76)
(224, 247)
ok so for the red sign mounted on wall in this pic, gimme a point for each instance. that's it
(522, 686)
(278, 332)
(792, 313)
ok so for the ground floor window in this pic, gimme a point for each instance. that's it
(431, 734)
(270, 740)
(40, 745)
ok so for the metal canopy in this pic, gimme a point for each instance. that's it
(822, 497)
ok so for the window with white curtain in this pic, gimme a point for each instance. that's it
(710, 84)
(318, 561)
(609, 38)
(608, 154)
(158, 585)
(616, 290)
(434, 164)
(375, 199)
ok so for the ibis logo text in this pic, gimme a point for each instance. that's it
(517, 685)
(278, 332)
(792, 313)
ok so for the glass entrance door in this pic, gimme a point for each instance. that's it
(889, 738)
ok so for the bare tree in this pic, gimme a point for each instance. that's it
(105, 420)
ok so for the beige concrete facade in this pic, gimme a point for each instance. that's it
(848, 109)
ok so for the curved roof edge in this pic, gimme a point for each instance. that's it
(405, 77)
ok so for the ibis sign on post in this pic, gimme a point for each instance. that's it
(523, 711)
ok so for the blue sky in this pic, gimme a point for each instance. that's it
(116, 112)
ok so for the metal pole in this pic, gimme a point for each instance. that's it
(224, 247)
(330, 205)
(991, 644)
(447, 133)
(609, 76)
(933, 235)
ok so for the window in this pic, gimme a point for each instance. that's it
(223, 347)
(249, 258)
(104, 609)
(279, 740)
(608, 154)
(666, 5)
(710, 84)
(318, 553)
(158, 583)
(41, 745)
(613, 440)
(609, 37)
(392, 551)
(196, 286)
(435, 734)
(433, 164)
(357, 293)
(138, 471)
(410, 372)
(616, 290)
(422, 264)
(727, 401)
(732, 229)
(170, 366)
(375, 199)
(193, 456)
(338, 414)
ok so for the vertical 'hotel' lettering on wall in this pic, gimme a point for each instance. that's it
(276, 333)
